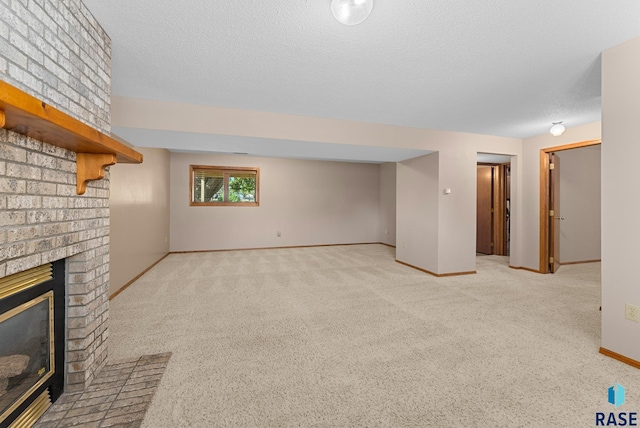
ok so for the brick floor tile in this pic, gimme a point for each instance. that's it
(93, 401)
(100, 393)
(150, 366)
(119, 411)
(143, 373)
(51, 415)
(68, 397)
(48, 424)
(84, 420)
(141, 385)
(132, 424)
(135, 380)
(131, 401)
(117, 398)
(123, 419)
(119, 383)
(136, 393)
(98, 408)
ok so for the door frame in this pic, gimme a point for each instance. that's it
(544, 196)
(498, 207)
(491, 204)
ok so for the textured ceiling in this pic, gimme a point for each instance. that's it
(488, 67)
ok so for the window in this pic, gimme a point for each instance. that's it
(224, 185)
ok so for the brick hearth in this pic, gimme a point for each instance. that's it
(119, 396)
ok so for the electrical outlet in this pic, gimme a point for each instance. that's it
(386, 232)
(279, 234)
(632, 312)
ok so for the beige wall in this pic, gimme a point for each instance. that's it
(169, 116)
(454, 219)
(457, 211)
(457, 157)
(620, 202)
(388, 203)
(530, 243)
(309, 202)
(139, 204)
(417, 212)
(579, 204)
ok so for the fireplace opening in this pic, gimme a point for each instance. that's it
(32, 330)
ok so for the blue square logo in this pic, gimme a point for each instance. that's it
(616, 395)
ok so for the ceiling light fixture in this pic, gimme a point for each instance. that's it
(557, 129)
(351, 12)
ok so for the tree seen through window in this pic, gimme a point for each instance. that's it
(224, 185)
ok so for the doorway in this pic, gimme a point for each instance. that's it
(551, 217)
(492, 207)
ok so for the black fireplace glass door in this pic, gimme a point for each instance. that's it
(26, 351)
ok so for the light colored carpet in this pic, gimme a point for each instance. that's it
(345, 336)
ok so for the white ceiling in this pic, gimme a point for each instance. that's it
(489, 67)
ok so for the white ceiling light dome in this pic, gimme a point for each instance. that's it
(351, 12)
(557, 129)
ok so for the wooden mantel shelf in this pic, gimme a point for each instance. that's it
(25, 114)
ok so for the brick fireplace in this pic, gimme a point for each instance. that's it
(58, 53)
(43, 220)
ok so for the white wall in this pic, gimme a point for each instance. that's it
(309, 202)
(579, 204)
(417, 213)
(139, 206)
(388, 203)
(620, 202)
(529, 251)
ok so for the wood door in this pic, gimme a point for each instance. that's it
(484, 218)
(554, 220)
